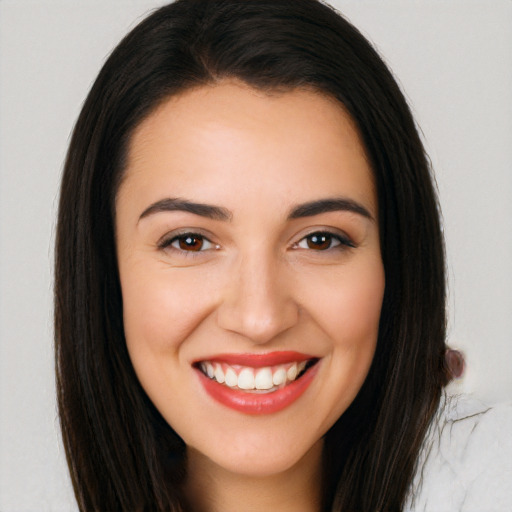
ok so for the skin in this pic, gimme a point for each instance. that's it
(258, 285)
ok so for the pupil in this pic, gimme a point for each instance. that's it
(191, 243)
(320, 241)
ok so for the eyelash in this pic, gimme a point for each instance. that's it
(325, 238)
(185, 238)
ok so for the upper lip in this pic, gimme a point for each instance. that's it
(259, 360)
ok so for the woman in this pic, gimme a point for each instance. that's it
(250, 300)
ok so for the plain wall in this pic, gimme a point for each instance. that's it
(454, 61)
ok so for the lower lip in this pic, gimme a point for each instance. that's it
(258, 403)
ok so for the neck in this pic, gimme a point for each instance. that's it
(211, 488)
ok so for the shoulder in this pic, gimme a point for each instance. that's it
(466, 459)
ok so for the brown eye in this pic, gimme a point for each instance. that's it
(320, 241)
(189, 242)
(324, 241)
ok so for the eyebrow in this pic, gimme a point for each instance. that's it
(309, 209)
(329, 205)
(177, 204)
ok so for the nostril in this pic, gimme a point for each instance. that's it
(260, 318)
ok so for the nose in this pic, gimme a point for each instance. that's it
(257, 303)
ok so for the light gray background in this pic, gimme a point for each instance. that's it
(453, 59)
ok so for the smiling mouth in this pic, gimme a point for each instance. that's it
(265, 379)
(257, 383)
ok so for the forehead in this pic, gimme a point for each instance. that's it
(236, 105)
(231, 139)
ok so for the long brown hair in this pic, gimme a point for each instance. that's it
(121, 453)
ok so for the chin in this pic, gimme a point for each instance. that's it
(259, 458)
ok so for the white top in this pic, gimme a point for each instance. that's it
(466, 461)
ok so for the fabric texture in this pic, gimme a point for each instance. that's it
(466, 460)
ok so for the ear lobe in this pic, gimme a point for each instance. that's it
(455, 363)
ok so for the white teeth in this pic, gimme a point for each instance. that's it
(231, 378)
(246, 379)
(209, 370)
(292, 372)
(263, 379)
(279, 377)
(249, 378)
(219, 374)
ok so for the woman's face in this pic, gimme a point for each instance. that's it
(251, 274)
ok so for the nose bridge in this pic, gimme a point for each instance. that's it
(258, 303)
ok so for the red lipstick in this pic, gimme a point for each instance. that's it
(259, 402)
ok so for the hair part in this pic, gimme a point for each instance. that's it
(121, 453)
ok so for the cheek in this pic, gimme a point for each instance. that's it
(347, 305)
(161, 308)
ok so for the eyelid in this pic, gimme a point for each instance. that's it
(166, 241)
(204, 242)
(344, 241)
